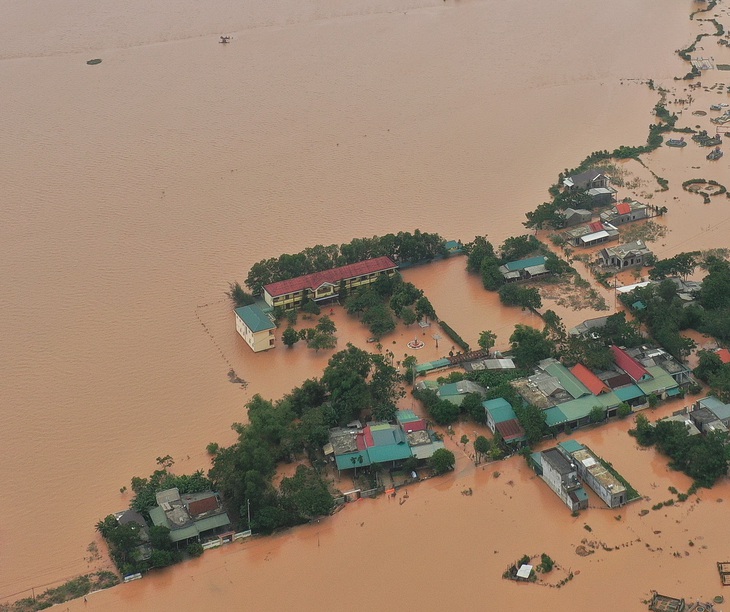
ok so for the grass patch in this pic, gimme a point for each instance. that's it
(73, 589)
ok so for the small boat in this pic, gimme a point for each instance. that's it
(225, 40)
(674, 142)
(715, 154)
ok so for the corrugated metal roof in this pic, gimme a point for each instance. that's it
(626, 394)
(521, 264)
(628, 364)
(623, 208)
(254, 318)
(500, 409)
(594, 384)
(510, 430)
(567, 380)
(594, 236)
(334, 275)
(571, 446)
(661, 381)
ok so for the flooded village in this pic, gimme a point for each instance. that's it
(516, 403)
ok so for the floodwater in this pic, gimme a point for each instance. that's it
(134, 191)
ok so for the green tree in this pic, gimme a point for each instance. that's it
(624, 410)
(385, 389)
(239, 296)
(160, 537)
(290, 337)
(597, 414)
(424, 309)
(408, 316)
(473, 406)
(379, 321)
(517, 295)
(644, 431)
(533, 422)
(306, 494)
(530, 346)
(325, 325)
(481, 446)
(442, 461)
(487, 339)
(443, 412)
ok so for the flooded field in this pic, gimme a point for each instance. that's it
(135, 190)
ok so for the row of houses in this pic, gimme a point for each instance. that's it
(568, 396)
(379, 442)
(255, 323)
(563, 466)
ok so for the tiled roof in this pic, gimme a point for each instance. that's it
(202, 505)
(628, 364)
(589, 379)
(596, 226)
(335, 275)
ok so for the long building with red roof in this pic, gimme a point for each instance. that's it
(326, 285)
(628, 364)
(589, 379)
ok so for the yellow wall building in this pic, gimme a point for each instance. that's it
(326, 285)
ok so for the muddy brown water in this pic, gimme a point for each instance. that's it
(135, 190)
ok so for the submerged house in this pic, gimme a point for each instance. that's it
(625, 212)
(382, 443)
(255, 327)
(501, 418)
(524, 269)
(561, 476)
(594, 474)
(190, 516)
(591, 234)
(625, 255)
(326, 286)
(576, 216)
(590, 179)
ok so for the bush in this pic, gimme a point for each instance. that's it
(195, 549)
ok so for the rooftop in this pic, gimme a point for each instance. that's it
(254, 318)
(510, 430)
(600, 473)
(334, 275)
(628, 364)
(521, 264)
(500, 410)
(558, 462)
(566, 378)
(594, 384)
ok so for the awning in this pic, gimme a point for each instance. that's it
(673, 392)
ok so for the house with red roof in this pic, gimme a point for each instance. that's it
(326, 285)
(724, 355)
(628, 364)
(626, 212)
(589, 379)
(594, 233)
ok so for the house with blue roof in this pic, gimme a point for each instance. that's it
(255, 327)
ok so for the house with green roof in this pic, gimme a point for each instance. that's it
(661, 383)
(456, 392)
(501, 418)
(524, 269)
(255, 327)
(189, 516)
